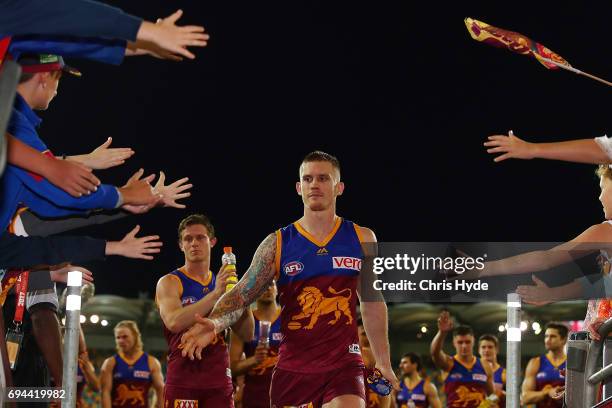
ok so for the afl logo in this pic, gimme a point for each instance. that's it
(189, 300)
(293, 268)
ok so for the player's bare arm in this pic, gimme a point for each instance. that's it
(375, 320)
(89, 373)
(157, 379)
(442, 360)
(244, 327)
(106, 380)
(177, 317)
(254, 282)
(241, 366)
(529, 395)
(232, 304)
(489, 372)
(432, 395)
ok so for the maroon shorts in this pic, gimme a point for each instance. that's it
(291, 389)
(180, 397)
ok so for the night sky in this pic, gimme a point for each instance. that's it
(397, 90)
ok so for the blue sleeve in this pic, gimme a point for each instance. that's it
(100, 50)
(19, 252)
(81, 18)
(48, 200)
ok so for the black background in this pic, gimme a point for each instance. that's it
(396, 89)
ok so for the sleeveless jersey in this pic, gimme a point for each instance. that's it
(131, 382)
(499, 381)
(212, 371)
(466, 386)
(373, 400)
(257, 380)
(317, 284)
(416, 394)
(549, 375)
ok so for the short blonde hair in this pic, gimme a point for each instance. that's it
(133, 327)
(604, 170)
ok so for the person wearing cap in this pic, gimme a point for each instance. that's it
(90, 19)
(86, 21)
(37, 88)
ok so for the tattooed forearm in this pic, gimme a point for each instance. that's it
(261, 272)
(226, 320)
(254, 282)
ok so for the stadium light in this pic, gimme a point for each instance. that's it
(94, 318)
(83, 319)
(104, 322)
(501, 328)
(524, 326)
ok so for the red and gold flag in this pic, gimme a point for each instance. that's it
(515, 42)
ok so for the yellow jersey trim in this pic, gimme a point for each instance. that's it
(206, 282)
(358, 232)
(468, 366)
(548, 357)
(128, 361)
(277, 254)
(312, 239)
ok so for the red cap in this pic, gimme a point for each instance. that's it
(227, 250)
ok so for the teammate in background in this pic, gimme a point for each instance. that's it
(469, 380)
(373, 400)
(543, 376)
(488, 348)
(595, 151)
(316, 262)
(416, 392)
(86, 373)
(128, 375)
(260, 358)
(189, 290)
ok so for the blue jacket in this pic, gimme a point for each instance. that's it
(81, 18)
(100, 50)
(18, 186)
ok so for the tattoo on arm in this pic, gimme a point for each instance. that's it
(254, 282)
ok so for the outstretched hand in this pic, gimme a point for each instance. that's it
(538, 295)
(138, 193)
(445, 323)
(61, 274)
(140, 248)
(172, 192)
(175, 39)
(103, 157)
(511, 146)
(74, 178)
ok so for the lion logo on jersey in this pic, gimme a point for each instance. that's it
(467, 397)
(374, 400)
(135, 394)
(269, 362)
(314, 304)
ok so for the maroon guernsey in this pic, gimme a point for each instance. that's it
(317, 283)
(212, 371)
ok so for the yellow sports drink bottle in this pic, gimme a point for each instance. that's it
(229, 259)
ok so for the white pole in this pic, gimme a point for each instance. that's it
(513, 347)
(71, 337)
(575, 71)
